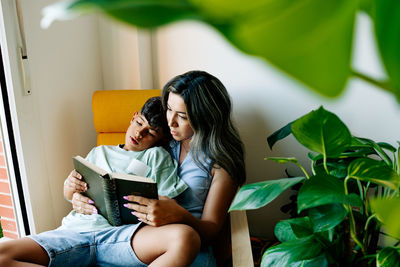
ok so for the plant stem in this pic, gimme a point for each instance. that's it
(353, 232)
(395, 163)
(398, 159)
(346, 191)
(312, 168)
(301, 167)
(362, 196)
(360, 188)
(385, 85)
(366, 232)
(368, 221)
(325, 166)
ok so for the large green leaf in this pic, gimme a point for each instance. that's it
(387, 28)
(366, 169)
(388, 257)
(257, 195)
(279, 134)
(308, 39)
(388, 212)
(292, 229)
(327, 217)
(319, 261)
(378, 148)
(324, 189)
(292, 251)
(323, 132)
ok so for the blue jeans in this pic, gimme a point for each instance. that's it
(108, 247)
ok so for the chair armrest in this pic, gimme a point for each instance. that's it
(241, 246)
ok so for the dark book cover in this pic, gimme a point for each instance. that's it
(108, 189)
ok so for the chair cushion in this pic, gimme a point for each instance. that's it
(110, 139)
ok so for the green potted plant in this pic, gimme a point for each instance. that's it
(348, 201)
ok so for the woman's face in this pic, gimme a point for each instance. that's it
(178, 121)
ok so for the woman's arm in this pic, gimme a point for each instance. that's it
(166, 211)
(219, 198)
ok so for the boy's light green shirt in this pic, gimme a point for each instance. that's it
(162, 168)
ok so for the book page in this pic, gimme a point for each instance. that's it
(130, 177)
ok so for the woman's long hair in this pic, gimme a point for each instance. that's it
(209, 107)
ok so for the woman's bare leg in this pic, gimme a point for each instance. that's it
(22, 252)
(168, 245)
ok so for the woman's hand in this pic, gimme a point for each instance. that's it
(156, 212)
(83, 204)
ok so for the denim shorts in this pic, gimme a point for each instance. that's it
(108, 247)
(205, 258)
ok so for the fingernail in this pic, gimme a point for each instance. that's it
(95, 211)
(126, 197)
(126, 205)
(91, 201)
(133, 213)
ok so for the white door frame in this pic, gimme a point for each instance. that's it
(10, 42)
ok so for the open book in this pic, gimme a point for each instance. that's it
(108, 189)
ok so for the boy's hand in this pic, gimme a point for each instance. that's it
(74, 183)
(83, 204)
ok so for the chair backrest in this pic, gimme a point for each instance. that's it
(113, 110)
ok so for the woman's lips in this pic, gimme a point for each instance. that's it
(173, 133)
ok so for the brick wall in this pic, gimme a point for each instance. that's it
(7, 214)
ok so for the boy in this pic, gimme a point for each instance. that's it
(141, 155)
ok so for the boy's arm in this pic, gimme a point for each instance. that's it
(164, 171)
(74, 186)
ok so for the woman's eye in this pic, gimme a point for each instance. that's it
(182, 117)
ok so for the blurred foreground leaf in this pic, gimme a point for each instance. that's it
(308, 39)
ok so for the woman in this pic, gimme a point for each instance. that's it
(210, 156)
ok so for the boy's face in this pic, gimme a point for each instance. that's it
(140, 135)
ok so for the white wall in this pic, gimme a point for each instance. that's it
(126, 53)
(265, 99)
(55, 121)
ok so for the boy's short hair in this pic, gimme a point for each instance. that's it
(155, 115)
